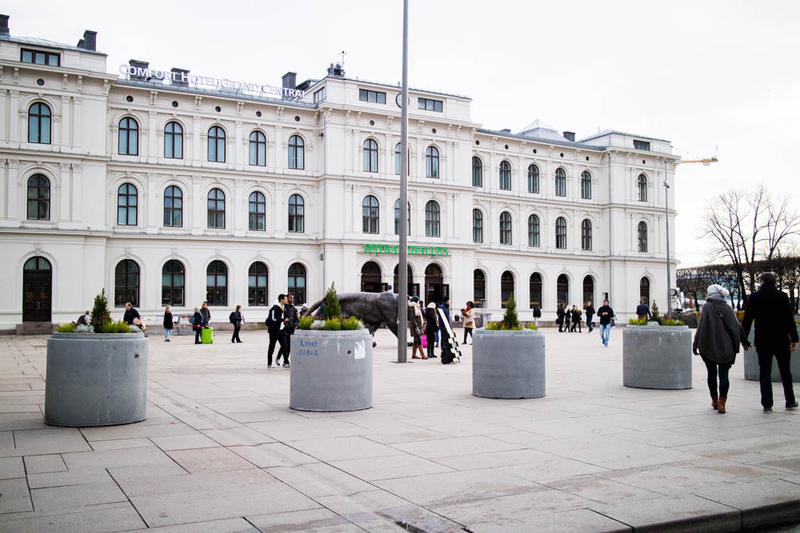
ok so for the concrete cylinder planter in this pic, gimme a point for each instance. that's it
(96, 379)
(657, 357)
(508, 364)
(331, 370)
(752, 368)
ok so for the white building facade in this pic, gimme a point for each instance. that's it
(163, 187)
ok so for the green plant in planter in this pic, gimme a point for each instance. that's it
(66, 328)
(332, 307)
(305, 323)
(333, 324)
(510, 318)
(100, 313)
(351, 323)
(532, 325)
(637, 321)
(115, 327)
(671, 322)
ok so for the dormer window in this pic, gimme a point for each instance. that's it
(37, 57)
(374, 97)
(641, 145)
(430, 105)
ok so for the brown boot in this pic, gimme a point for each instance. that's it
(714, 402)
(721, 408)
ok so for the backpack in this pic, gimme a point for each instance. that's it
(268, 322)
(82, 320)
(232, 318)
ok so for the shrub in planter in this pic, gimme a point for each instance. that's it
(657, 354)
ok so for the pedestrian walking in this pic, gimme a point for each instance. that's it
(560, 314)
(642, 310)
(606, 314)
(431, 328)
(415, 328)
(206, 312)
(275, 323)
(236, 319)
(576, 318)
(537, 314)
(469, 321)
(445, 306)
(168, 325)
(775, 335)
(291, 319)
(197, 323)
(589, 315)
(717, 341)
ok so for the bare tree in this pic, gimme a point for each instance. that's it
(691, 283)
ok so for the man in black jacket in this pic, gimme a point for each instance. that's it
(642, 310)
(275, 324)
(606, 314)
(131, 314)
(589, 315)
(776, 334)
(236, 319)
(206, 312)
(560, 313)
(291, 319)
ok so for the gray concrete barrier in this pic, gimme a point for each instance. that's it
(331, 370)
(752, 368)
(96, 379)
(657, 357)
(508, 364)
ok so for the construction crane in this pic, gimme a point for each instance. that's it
(705, 162)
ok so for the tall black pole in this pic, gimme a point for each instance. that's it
(402, 268)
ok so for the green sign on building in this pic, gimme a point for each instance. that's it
(412, 250)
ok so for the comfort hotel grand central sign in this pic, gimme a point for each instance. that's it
(412, 250)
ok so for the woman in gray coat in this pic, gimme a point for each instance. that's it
(717, 341)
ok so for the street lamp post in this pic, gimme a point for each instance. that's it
(402, 267)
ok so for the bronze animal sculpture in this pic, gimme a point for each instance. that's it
(372, 308)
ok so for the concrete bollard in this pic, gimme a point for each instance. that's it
(752, 369)
(331, 370)
(657, 357)
(508, 364)
(96, 379)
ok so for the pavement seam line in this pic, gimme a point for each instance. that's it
(128, 498)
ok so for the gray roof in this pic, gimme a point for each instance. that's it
(560, 141)
(395, 87)
(610, 132)
(541, 131)
(44, 43)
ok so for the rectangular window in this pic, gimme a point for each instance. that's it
(430, 105)
(37, 57)
(374, 97)
(641, 145)
(319, 95)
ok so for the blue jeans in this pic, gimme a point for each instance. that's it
(605, 331)
(167, 333)
(589, 323)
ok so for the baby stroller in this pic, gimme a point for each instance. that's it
(448, 342)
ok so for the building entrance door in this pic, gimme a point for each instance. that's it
(435, 288)
(37, 281)
(371, 278)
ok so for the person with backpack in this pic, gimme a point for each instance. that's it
(292, 319)
(197, 323)
(167, 323)
(275, 323)
(84, 319)
(236, 319)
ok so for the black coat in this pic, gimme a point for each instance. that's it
(589, 312)
(290, 312)
(168, 321)
(537, 311)
(236, 319)
(275, 319)
(642, 310)
(772, 312)
(718, 333)
(605, 313)
(130, 314)
(206, 316)
(198, 319)
(432, 322)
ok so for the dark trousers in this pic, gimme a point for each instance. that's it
(286, 347)
(235, 337)
(467, 331)
(784, 357)
(560, 324)
(274, 338)
(714, 368)
(431, 343)
(197, 333)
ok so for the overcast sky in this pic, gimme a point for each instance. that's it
(714, 77)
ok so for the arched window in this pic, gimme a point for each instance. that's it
(173, 141)
(128, 137)
(397, 217)
(413, 289)
(431, 162)
(258, 149)
(588, 290)
(38, 198)
(370, 156)
(297, 282)
(561, 233)
(586, 234)
(217, 283)
(561, 182)
(216, 209)
(39, 118)
(505, 176)
(533, 231)
(371, 277)
(586, 185)
(505, 228)
(398, 158)
(173, 207)
(562, 289)
(641, 186)
(478, 288)
(370, 215)
(642, 231)
(126, 283)
(477, 226)
(644, 290)
(477, 172)
(533, 179)
(506, 288)
(173, 283)
(297, 151)
(297, 214)
(536, 289)
(432, 216)
(127, 205)
(257, 285)
(216, 144)
(258, 212)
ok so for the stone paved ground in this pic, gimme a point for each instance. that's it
(221, 451)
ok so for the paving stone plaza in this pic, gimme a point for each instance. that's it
(221, 451)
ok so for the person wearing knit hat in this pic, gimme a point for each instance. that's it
(717, 341)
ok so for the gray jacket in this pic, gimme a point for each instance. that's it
(719, 333)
